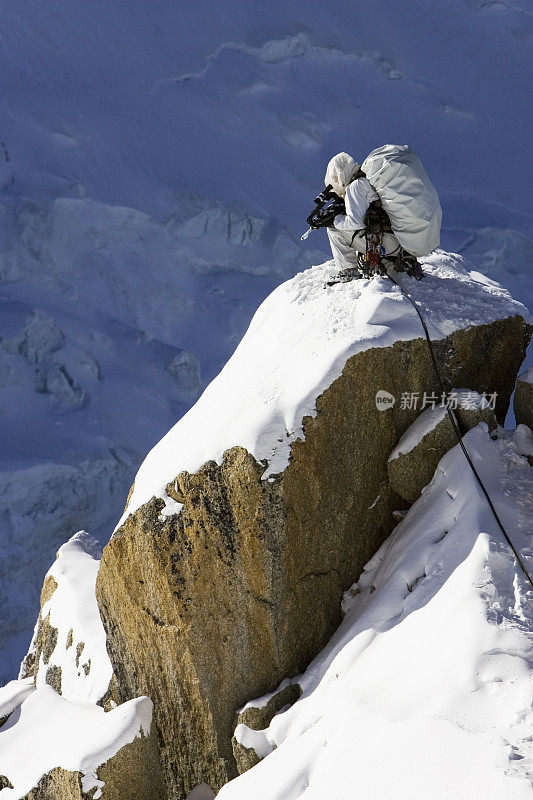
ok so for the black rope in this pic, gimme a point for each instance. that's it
(453, 420)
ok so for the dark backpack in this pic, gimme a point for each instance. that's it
(376, 219)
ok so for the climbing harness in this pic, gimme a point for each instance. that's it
(457, 431)
(376, 224)
(375, 260)
(371, 260)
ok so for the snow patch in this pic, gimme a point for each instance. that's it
(431, 417)
(261, 702)
(80, 650)
(48, 731)
(13, 694)
(254, 740)
(426, 422)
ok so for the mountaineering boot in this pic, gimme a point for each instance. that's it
(345, 275)
(405, 262)
(412, 266)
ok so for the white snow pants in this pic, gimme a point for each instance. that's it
(345, 250)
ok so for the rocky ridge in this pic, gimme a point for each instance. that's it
(245, 526)
(231, 579)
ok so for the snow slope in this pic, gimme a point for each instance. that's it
(296, 346)
(80, 647)
(157, 161)
(425, 689)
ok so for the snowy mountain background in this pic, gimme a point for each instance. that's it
(158, 163)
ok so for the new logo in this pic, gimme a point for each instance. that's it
(384, 400)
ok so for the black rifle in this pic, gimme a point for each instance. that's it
(327, 205)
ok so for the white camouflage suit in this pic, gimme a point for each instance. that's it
(357, 197)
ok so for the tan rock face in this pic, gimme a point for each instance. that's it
(410, 472)
(45, 640)
(258, 718)
(211, 607)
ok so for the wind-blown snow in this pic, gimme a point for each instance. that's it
(297, 344)
(12, 695)
(425, 689)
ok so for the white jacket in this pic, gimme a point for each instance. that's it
(359, 195)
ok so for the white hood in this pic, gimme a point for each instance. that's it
(340, 172)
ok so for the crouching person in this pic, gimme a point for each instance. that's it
(362, 240)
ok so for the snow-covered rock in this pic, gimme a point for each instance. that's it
(257, 715)
(39, 338)
(305, 332)
(61, 734)
(125, 219)
(523, 398)
(260, 507)
(52, 747)
(68, 650)
(40, 504)
(425, 689)
(413, 461)
(97, 120)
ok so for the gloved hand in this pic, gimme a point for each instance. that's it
(324, 217)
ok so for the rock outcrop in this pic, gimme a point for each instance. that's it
(523, 399)
(414, 460)
(131, 774)
(257, 716)
(217, 600)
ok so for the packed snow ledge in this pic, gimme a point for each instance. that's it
(297, 344)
